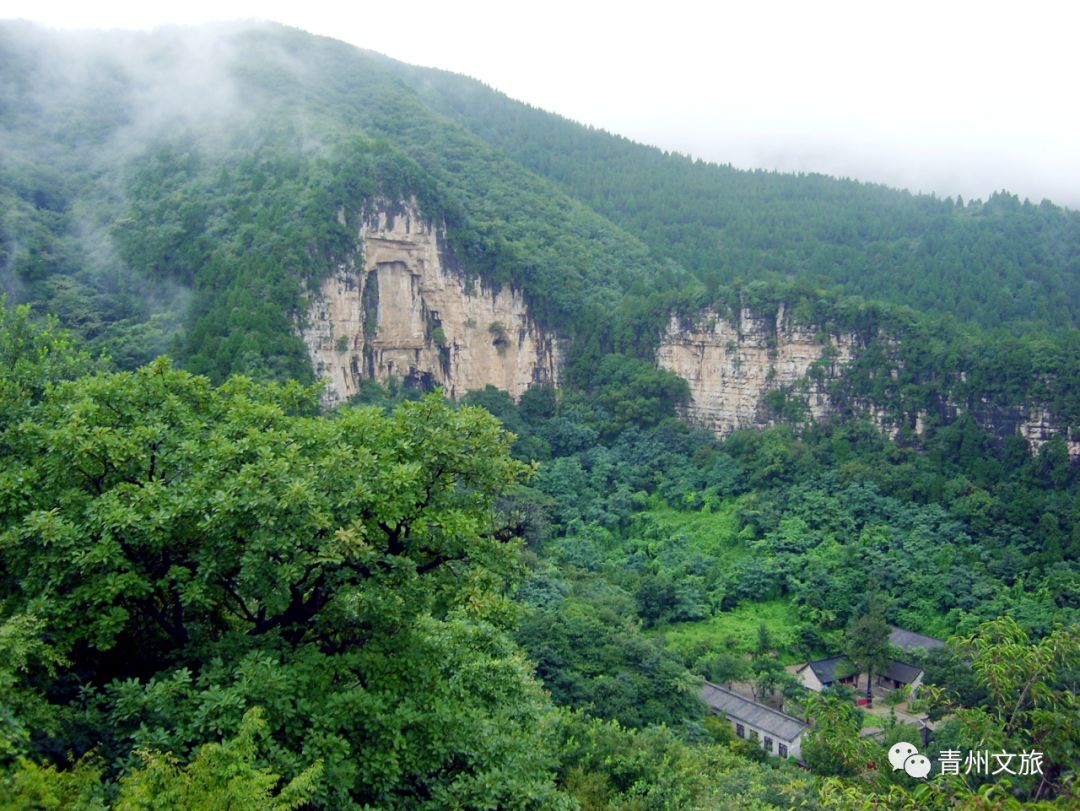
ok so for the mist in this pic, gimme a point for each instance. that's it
(973, 173)
(84, 108)
(80, 111)
(956, 99)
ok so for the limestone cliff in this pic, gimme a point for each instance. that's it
(1032, 421)
(744, 370)
(731, 365)
(399, 309)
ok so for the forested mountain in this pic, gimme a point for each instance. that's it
(215, 592)
(89, 164)
(995, 262)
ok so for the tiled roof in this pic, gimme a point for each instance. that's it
(837, 667)
(901, 672)
(775, 723)
(907, 640)
(831, 669)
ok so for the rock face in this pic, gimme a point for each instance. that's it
(1038, 427)
(399, 309)
(732, 365)
(742, 371)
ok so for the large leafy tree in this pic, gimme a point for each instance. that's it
(197, 551)
(867, 645)
(1032, 688)
(832, 746)
(1029, 706)
(34, 353)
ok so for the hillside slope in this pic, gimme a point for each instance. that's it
(139, 162)
(193, 191)
(996, 262)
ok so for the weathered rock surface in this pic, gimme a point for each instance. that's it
(399, 309)
(732, 365)
(1039, 428)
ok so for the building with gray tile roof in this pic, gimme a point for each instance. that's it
(906, 640)
(831, 670)
(901, 674)
(778, 733)
(824, 673)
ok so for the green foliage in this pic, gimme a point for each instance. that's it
(246, 231)
(199, 551)
(1030, 706)
(1002, 261)
(1032, 691)
(832, 746)
(135, 456)
(174, 555)
(25, 653)
(34, 354)
(221, 221)
(734, 631)
(238, 205)
(608, 767)
(867, 643)
(591, 659)
(29, 786)
(839, 509)
(632, 393)
(948, 669)
(222, 775)
(769, 676)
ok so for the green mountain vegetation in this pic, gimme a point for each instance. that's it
(193, 187)
(999, 262)
(214, 594)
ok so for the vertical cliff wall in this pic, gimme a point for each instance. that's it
(732, 365)
(398, 309)
(753, 369)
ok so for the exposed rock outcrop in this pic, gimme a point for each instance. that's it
(732, 365)
(737, 367)
(1037, 425)
(399, 309)
(1039, 428)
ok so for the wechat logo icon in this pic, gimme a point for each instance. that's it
(905, 756)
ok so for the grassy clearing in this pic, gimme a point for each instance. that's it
(738, 629)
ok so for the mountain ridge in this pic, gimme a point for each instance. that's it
(197, 229)
(599, 167)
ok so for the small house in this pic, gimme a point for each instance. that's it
(901, 674)
(777, 733)
(824, 673)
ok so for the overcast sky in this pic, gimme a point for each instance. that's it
(951, 97)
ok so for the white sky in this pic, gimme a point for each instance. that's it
(949, 96)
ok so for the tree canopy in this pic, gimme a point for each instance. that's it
(192, 552)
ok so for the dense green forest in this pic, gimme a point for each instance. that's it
(182, 194)
(215, 594)
(996, 262)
